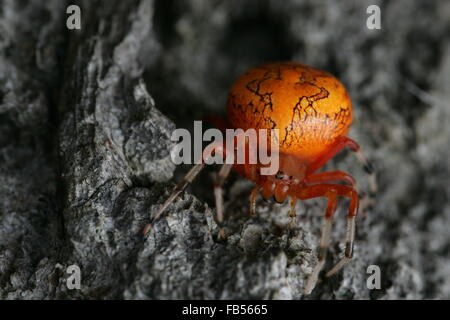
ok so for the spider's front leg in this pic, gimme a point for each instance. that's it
(218, 195)
(341, 143)
(328, 176)
(209, 152)
(331, 191)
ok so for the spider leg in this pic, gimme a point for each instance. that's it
(330, 176)
(350, 234)
(252, 200)
(188, 178)
(292, 212)
(367, 201)
(342, 142)
(324, 241)
(218, 194)
(349, 240)
(331, 191)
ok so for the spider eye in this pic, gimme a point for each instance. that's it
(280, 175)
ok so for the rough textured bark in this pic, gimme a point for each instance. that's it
(85, 124)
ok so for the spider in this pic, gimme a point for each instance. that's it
(313, 113)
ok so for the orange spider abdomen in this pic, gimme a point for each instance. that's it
(310, 107)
